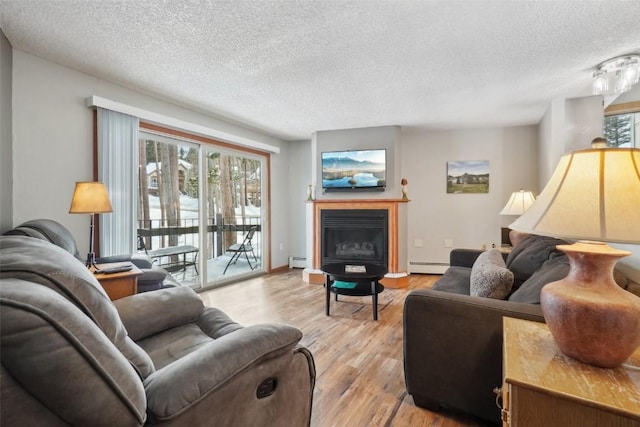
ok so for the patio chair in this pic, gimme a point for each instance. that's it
(245, 248)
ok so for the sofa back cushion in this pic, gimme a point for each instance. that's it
(55, 353)
(529, 255)
(553, 269)
(46, 264)
(489, 276)
(49, 230)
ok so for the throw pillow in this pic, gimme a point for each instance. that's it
(529, 255)
(554, 269)
(489, 276)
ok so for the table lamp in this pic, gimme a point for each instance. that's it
(593, 197)
(518, 203)
(90, 198)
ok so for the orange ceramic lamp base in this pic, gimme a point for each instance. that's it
(591, 318)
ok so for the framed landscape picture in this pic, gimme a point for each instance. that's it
(468, 176)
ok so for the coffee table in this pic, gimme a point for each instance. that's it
(364, 275)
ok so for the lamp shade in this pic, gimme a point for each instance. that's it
(519, 202)
(90, 198)
(593, 194)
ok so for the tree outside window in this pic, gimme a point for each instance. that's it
(621, 130)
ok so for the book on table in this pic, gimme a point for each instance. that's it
(355, 268)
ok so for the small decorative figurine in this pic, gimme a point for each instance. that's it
(310, 193)
(404, 183)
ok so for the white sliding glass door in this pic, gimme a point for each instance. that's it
(234, 210)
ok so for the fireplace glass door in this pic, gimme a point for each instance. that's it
(354, 235)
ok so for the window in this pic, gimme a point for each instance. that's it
(622, 125)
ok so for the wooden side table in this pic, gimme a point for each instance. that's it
(119, 285)
(543, 387)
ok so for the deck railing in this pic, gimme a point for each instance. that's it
(157, 233)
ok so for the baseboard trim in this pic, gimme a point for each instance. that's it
(428, 267)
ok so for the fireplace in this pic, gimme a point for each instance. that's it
(354, 235)
(353, 240)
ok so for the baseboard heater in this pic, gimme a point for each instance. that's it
(428, 267)
(297, 262)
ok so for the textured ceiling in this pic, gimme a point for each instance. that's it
(289, 68)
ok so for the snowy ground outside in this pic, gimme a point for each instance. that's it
(215, 266)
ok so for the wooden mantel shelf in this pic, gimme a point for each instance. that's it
(352, 201)
(397, 276)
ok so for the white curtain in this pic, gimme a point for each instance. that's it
(117, 168)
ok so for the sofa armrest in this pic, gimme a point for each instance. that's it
(463, 257)
(193, 382)
(148, 313)
(453, 349)
(139, 260)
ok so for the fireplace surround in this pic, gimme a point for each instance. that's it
(396, 237)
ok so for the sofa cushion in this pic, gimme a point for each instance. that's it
(489, 276)
(555, 268)
(455, 280)
(529, 255)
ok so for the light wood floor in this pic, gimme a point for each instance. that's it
(359, 368)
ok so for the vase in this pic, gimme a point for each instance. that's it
(591, 318)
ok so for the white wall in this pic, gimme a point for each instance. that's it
(300, 177)
(6, 168)
(551, 141)
(584, 121)
(52, 143)
(468, 220)
(567, 125)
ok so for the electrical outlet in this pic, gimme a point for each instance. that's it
(417, 243)
(448, 243)
(281, 246)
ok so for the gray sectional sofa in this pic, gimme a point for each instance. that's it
(453, 340)
(70, 356)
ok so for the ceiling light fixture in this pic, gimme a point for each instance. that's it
(616, 75)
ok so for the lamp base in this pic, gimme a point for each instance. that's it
(591, 318)
(91, 260)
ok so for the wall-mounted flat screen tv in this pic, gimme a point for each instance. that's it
(354, 169)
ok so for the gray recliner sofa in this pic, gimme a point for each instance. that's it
(70, 356)
(151, 279)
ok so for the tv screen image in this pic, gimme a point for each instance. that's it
(354, 169)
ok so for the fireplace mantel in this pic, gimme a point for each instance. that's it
(397, 238)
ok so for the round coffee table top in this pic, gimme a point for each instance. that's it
(355, 272)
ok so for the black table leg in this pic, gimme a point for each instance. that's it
(327, 285)
(375, 299)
